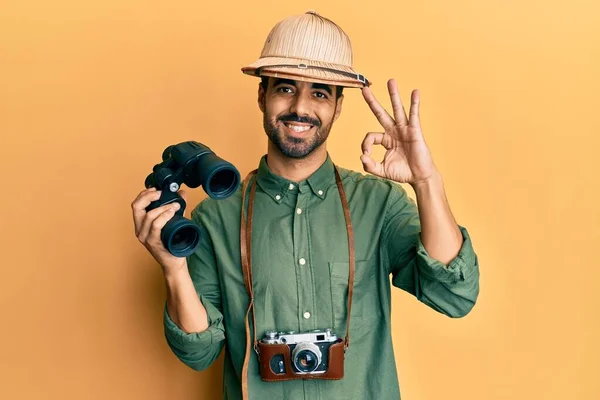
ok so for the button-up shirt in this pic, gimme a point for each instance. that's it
(300, 269)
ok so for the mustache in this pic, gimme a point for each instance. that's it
(293, 117)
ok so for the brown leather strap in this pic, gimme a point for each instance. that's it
(351, 259)
(245, 248)
(248, 229)
(244, 243)
(246, 254)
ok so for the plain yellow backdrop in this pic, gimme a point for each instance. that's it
(92, 92)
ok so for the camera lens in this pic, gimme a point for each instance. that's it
(306, 361)
(307, 357)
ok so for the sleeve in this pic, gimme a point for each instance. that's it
(449, 289)
(200, 350)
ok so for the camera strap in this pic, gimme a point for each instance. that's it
(246, 255)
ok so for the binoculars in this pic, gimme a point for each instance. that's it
(193, 164)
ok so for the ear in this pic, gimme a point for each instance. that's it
(261, 98)
(338, 107)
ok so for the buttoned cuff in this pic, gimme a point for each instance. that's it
(459, 269)
(196, 341)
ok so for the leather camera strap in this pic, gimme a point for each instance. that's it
(246, 254)
(245, 249)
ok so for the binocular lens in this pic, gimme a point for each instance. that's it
(223, 183)
(180, 236)
(184, 238)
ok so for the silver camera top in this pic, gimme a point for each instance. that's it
(291, 337)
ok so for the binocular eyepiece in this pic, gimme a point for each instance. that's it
(193, 164)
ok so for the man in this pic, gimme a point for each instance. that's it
(301, 268)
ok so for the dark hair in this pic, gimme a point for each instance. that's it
(264, 81)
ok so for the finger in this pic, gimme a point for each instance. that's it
(397, 106)
(376, 138)
(142, 194)
(145, 198)
(382, 115)
(139, 206)
(371, 166)
(151, 216)
(370, 139)
(157, 226)
(415, 100)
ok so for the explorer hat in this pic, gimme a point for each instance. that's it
(308, 47)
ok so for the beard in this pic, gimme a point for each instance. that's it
(293, 147)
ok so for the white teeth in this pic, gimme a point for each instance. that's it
(297, 128)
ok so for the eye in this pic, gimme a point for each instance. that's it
(284, 89)
(321, 95)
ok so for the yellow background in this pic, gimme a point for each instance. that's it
(91, 92)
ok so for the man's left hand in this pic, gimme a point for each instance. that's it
(407, 159)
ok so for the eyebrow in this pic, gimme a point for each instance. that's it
(326, 88)
(281, 81)
(322, 86)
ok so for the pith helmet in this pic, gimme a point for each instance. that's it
(310, 48)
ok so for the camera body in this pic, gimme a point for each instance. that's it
(317, 354)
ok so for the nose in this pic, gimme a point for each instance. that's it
(300, 103)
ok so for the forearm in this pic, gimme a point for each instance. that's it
(183, 304)
(440, 234)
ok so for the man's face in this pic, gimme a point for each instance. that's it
(298, 116)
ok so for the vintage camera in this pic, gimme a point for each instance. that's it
(317, 354)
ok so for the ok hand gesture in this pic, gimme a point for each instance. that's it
(407, 159)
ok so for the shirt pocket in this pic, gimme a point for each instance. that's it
(365, 301)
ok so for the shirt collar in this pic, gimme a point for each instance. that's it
(278, 187)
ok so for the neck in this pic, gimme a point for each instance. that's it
(293, 169)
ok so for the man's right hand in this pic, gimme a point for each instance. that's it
(148, 227)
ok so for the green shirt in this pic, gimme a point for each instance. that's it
(300, 272)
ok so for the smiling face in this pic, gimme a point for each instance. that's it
(297, 116)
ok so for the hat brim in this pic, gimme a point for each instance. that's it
(306, 70)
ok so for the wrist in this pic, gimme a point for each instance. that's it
(430, 185)
(177, 274)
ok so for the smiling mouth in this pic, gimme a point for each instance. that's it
(298, 128)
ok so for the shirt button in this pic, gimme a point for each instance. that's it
(320, 192)
(302, 261)
(291, 187)
(306, 315)
(298, 211)
(278, 197)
